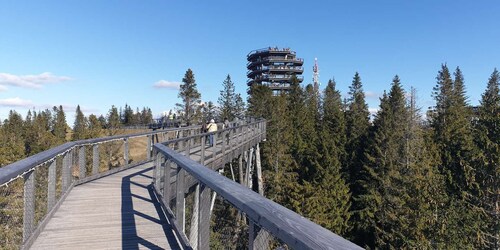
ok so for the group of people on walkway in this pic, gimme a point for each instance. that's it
(211, 127)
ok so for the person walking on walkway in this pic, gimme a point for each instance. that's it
(212, 127)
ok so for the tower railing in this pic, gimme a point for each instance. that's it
(32, 189)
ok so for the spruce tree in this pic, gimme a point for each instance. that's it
(357, 119)
(451, 122)
(80, 125)
(488, 140)
(259, 101)
(113, 118)
(328, 202)
(357, 125)
(227, 100)
(334, 121)
(59, 124)
(95, 127)
(191, 99)
(382, 200)
(11, 139)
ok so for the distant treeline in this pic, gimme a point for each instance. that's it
(41, 130)
(397, 180)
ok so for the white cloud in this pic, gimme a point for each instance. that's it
(167, 84)
(16, 102)
(370, 94)
(30, 81)
(373, 111)
(3, 88)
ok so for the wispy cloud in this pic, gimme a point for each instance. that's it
(30, 81)
(167, 84)
(370, 94)
(373, 111)
(3, 88)
(16, 102)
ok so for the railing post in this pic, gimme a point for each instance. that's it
(156, 170)
(187, 147)
(95, 159)
(82, 163)
(204, 218)
(259, 170)
(193, 230)
(257, 238)
(65, 171)
(161, 171)
(125, 154)
(29, 205)
(166, 183)
(179, 206)
(202, 156)
(148, 150)
(51, 189)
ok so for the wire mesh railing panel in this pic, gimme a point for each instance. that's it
(229, 227)
(11, 214)
(137, 149)
(41, 193)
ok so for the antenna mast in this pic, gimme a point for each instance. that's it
(316, 75)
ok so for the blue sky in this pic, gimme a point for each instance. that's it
(102, 53)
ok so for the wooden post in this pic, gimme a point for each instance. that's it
(249, 169)
(167, 182)
(259, 170)
(95, 159)
(202, 157)
(193, 231)
(204, 218)
(29, 205)
(65, 172)
(51, 189)
(148, 149)
(125, 153)
(82, 162)
(179, 206)
(232, 171)
(240, 169)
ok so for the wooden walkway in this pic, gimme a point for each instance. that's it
(115, 212)
(118, 211)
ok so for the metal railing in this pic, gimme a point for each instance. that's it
(32, 189)
(208, 210)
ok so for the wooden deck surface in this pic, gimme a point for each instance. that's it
(114, 212)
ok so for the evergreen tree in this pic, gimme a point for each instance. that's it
(227, 100)
(11, 139)
(357, 119)
(382, 200)
(239, 107)
(357, 125)
(95, 127)
(488, 140)
(80, 125)
(451, 121)
(59, 124)
(327, 199)
(208, 111)
(191, 98)
(424, 194)
(334, 121)
(113, 119)
(259, 101)
(128, 116)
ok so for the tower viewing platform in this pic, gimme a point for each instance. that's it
(274, 67)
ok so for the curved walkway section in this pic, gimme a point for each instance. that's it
(118, 211)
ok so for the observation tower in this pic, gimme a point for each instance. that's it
(274, 67)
